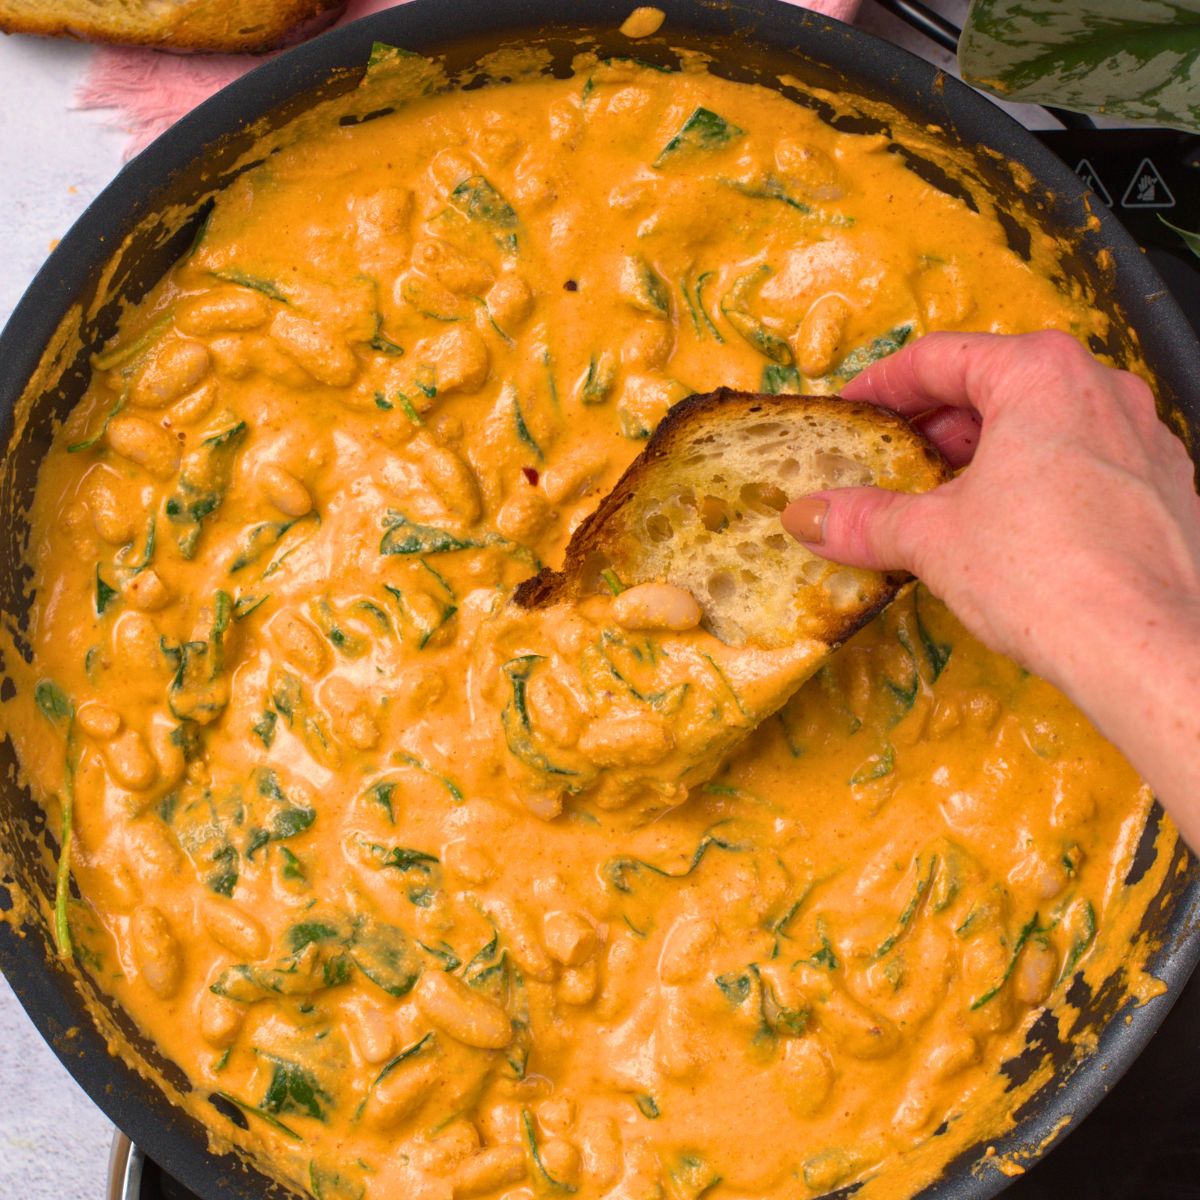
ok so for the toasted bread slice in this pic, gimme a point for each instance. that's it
(227, 26)
(699, 508)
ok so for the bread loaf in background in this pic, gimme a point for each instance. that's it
(220, 26)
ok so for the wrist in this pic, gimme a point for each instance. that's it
(1139, 683)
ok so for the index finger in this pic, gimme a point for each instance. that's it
(939, 370)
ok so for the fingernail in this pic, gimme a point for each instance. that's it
(804, 519)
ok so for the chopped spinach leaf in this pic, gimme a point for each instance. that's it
(623, 874)
(125, 356)
(381, 794)
(703, 308)
(599, 380)
(294, 1089)
(862, 357)
(243, 279)
(478, 200)
(643, 288)
(735, 305)
(403, 536)
(264, 727)
(691, 1177)
(529, 1134)
(778, 378)
(522, 429)
(88, 443)
(518, 730)
(327, 1183)
(924, 878)
(256, 540)
(198, 690)
(54, 703)
(274, 1122)
(411, 760)
(1031, 927)
(936, 653)
(386, 957)
(774, 1019)
(1083, 918)
(293, 868)
(203, 480)
(876, 767)
(703, 130)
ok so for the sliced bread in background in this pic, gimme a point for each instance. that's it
(219, 26)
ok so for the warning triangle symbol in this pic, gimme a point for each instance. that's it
(1087, 173)
(1147, 189)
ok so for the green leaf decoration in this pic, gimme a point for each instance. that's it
(1122, 58)
(1191, 240)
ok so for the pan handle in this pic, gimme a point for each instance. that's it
(124, 1169)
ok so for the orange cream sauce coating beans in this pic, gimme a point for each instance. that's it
(402, 364)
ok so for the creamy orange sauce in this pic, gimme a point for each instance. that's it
(276, 673)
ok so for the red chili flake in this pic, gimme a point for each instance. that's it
(531, 476)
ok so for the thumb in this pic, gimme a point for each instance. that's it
(860, 527)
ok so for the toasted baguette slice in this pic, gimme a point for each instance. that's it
(227, 26)
(699, 508)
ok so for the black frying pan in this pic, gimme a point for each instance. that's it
(754, 40)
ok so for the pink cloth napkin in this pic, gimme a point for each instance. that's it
(148, 90)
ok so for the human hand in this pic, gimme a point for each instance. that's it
(1071, 542)
(1077, 498)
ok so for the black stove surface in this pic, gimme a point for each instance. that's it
(1147, 177)
(1142, 1142)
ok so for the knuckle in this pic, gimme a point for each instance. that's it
(1059, 344)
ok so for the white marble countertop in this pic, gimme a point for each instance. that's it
(53, 161)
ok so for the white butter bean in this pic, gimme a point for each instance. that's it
(657, 606)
